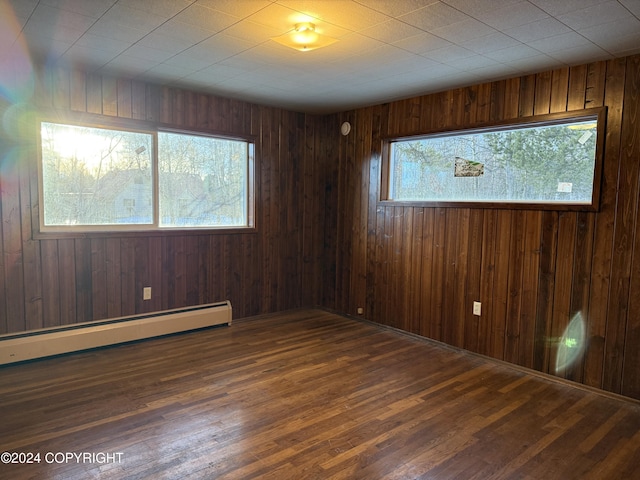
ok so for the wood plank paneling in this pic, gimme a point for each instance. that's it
(320, 227)
(630, 143)
(83, 277)
(614, 73)
(533, 271)
(67, 279)
(99, 294)
(49, 281)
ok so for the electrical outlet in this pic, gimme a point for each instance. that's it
(477, 308)
(146, 293)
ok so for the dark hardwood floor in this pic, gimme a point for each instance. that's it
(306, 395)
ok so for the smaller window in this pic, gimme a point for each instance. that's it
(542, 161)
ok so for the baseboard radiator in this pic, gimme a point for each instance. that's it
(82, 336)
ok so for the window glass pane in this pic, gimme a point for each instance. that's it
(537, 164)
(202, 181)
(95, 176)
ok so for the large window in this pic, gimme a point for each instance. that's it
(108, 179)
(542, 161)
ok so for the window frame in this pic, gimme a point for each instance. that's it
(41, 231)
(597, 113)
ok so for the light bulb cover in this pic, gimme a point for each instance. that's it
(304, 38)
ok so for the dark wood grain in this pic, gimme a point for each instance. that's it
(308, 394)
(631, 148)
(614, 72)
(71, 280)
(323, 238)
(627, 213)
(535, 270)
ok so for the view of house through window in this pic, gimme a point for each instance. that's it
(552, 163)
(104, 179)
(203, 180)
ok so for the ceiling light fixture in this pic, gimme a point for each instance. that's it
(304, 38)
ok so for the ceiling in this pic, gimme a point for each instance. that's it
(387, 49)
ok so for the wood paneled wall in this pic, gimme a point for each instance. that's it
(420, 269)
(58, 281)
(323, 238)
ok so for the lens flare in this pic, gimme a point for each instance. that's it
(16, 74)
(17, 85)
(572, 344)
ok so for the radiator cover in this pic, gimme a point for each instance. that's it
(82, 336)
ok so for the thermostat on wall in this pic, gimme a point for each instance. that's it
(345, 128)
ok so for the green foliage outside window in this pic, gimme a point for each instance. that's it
(552, 163)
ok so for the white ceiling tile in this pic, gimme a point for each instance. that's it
(189, 64)
(281, 18)
(218, 47)
(241, 9)
(92, 8)
(606, 12)
(61, 18)
(132, 18)
(446, 54)
(52, 31)
(464, 31)
(148, 53)
(165, 71)
(168, 43)
(46, 47)
(392, 60)
(10, 27)
(126, 64)
(111, 45)
(509, 54)
(632, 5)
(607, 34)
(353, 44)
(225, 46)
(471, 63)
(560, 42)
(540, 29)
(513, 15)
(215, 73)
(478, 7)
(108, 29)
(240, 62)
(433, 16)
(535, 64)
(349, 15)
(394, 8)
(496, 72)
(422, 43)
(190, 34)
(555, 7)
(165, 8)
(391, 31)
(206, 18)
(488, 43)
(269, 53)
(252, 32)
(22, 8)
(258, 55)
(580, 54)
(87, 56)
(628, 45)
